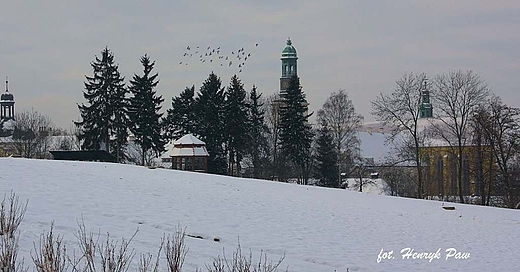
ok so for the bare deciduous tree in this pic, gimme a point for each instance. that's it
(338, 113)
(482, 167)
(30, 135)
(135, 155)
(457, 96)
(501, 127)
(360, 171)
(280, 168)
(401, 111)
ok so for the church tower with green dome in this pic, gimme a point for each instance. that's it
(289, 65)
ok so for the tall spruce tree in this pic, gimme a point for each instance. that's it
(237, 124)
(144, 109)
(295, 131)
(105, 114)
(180, 119)
(210, 122)
(257, 131)
(326, 158)
(120, 122)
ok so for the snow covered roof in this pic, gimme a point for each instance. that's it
(189, 139)
(188, 146)
(195, 151)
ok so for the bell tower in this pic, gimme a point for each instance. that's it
(426, 109)
(289, 65)
(6, 104)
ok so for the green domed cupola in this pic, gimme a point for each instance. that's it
(289, 50)
(289, 64)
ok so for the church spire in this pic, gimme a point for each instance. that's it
(426, 109)
(6, 103)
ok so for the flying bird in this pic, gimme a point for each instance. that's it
(188, 47)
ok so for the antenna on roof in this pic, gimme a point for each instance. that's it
(6, 84)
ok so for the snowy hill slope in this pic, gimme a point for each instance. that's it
(317, 229)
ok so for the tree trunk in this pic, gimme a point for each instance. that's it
(459, 172)
(143, 157)
(419, 172)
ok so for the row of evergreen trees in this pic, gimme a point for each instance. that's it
(114, 109)
(230, 120)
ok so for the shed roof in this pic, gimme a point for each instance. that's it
(196, 151)
(189, 139)
(188, 146)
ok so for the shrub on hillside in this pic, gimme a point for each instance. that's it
(50, 254)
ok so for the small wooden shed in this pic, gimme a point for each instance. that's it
(190, 154)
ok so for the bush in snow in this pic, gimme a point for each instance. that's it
(12, 213)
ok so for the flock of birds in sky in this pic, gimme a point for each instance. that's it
(216, 56)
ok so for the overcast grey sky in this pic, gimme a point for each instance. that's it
(361, 46)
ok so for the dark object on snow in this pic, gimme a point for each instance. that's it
(449, 208)
(83, 155)
(195, 236)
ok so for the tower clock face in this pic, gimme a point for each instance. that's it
(285, 84)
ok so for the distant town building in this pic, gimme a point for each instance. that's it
(6, 104)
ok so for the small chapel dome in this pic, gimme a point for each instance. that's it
(289, 50)
(7, 96)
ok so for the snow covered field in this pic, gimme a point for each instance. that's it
(317, 229)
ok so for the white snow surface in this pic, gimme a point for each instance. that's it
(318, 229)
